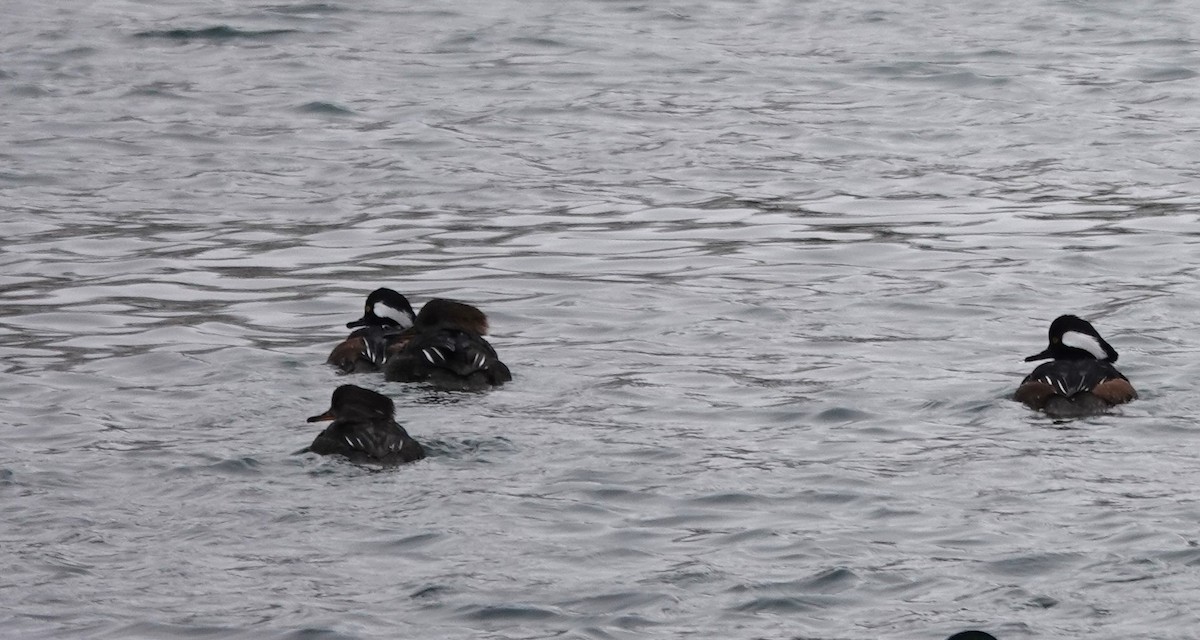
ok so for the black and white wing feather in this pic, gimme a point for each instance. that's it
(1071, 377)
(446, 355)
(367, 442)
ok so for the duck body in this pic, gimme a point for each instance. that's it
(367, 349)
(972, 635)
(450, 359)
(1080, 380)
(447, 350)
(364, 429)
(1073, 388)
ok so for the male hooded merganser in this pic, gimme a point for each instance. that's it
(1080, 379)
(972, 635)
(382, 332)
(364, 429)
(447, 350)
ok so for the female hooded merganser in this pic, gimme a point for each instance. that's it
(364, 429)
(1080, 379)
(972, 635)
(382, 332)
(447, 350)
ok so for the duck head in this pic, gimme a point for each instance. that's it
(385, 308)
(350, 401)
(1073, 338)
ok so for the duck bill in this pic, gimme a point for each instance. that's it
(361, 322)
(328, 415)
(1045, 355)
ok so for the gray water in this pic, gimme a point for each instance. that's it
(765, 273)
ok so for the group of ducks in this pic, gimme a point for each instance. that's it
(443, 346)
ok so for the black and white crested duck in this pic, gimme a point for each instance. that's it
(381, 331)
(1080, 378)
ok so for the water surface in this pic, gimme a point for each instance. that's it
(765, 273)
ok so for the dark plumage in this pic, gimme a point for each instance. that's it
(364, 429)
(383, 331)
(365, 350)
(440, 313)
(1080, 379)
(972, 635)
(447, 350)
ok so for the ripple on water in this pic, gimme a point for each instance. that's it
(765, 292)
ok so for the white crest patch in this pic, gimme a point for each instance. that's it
(384, 311)
(1085, 342)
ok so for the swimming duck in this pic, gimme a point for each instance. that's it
(447, 350)
(972, 635)
(382, 331)
(1080, 379)
(364, 429)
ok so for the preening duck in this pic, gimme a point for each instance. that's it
(447, 350)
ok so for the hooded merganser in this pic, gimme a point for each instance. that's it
(382, 331)
(972, 635)
(1080, 379)
(447, 350)
(364, 429)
